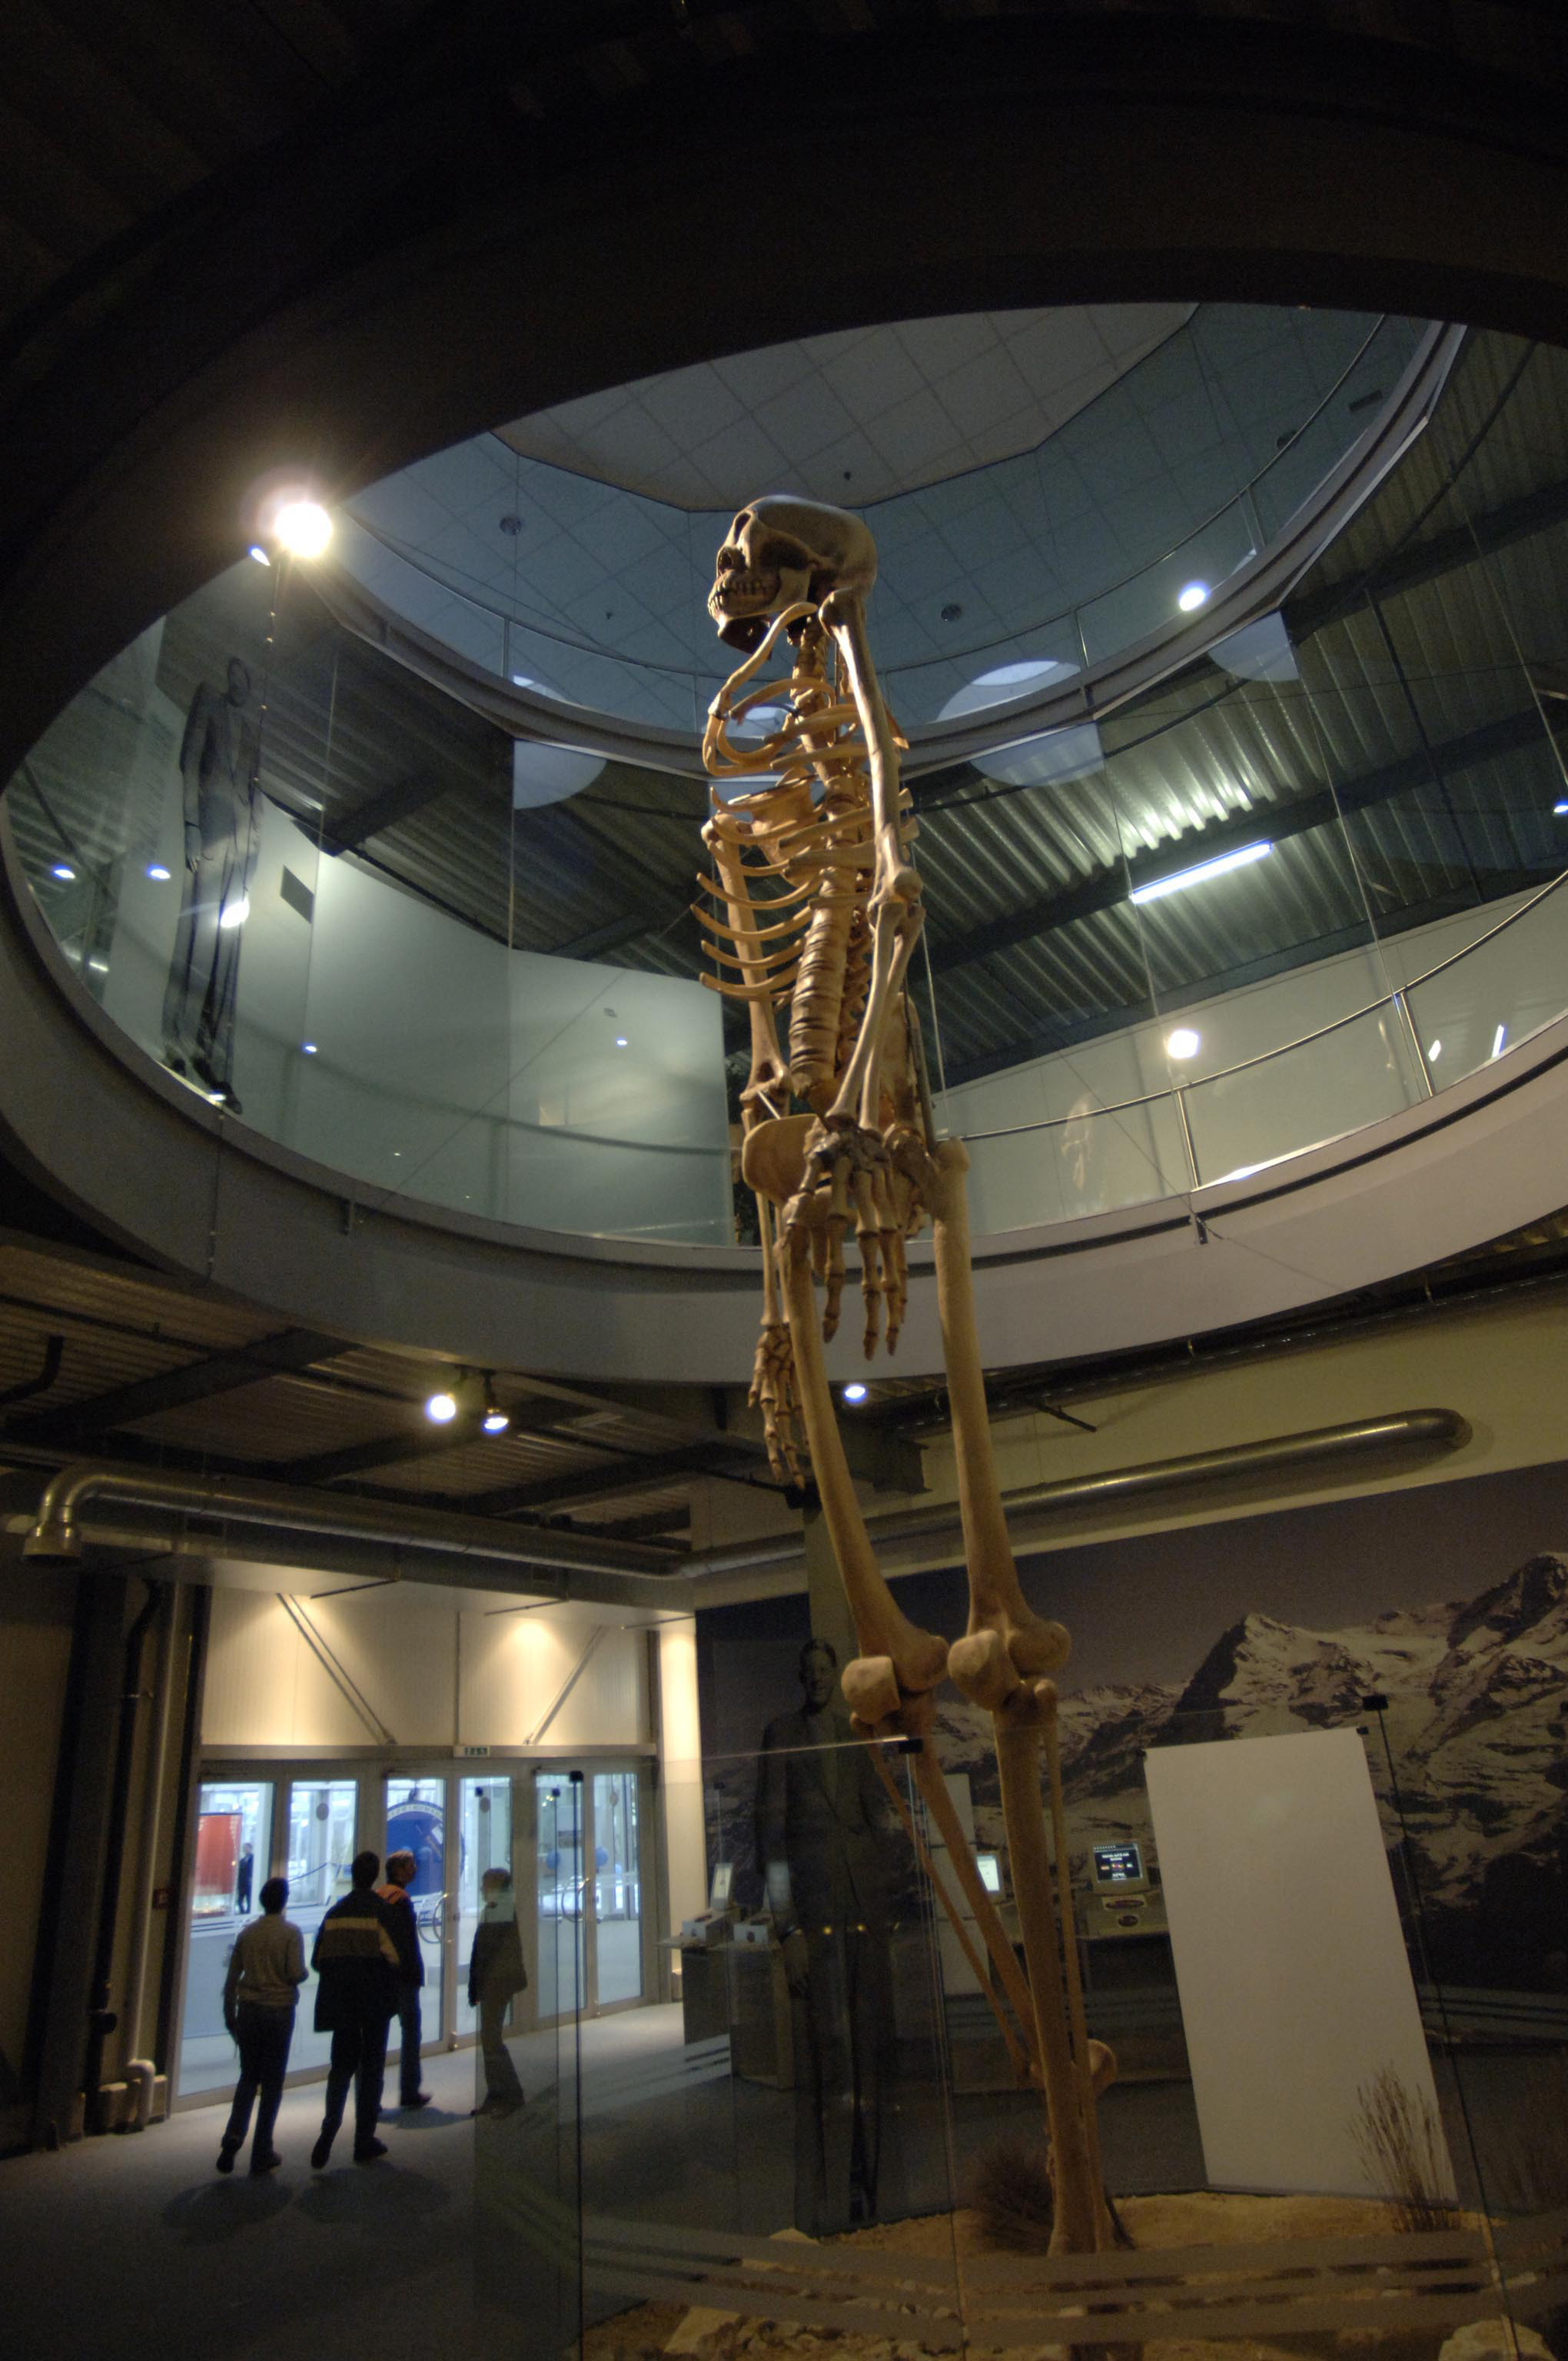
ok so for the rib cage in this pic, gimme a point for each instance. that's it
(794, 871)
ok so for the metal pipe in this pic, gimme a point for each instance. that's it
(1281, 1455)
(57, 1532)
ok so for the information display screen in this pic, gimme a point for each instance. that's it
(1119, 1864)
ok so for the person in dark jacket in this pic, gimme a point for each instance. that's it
(494, 1974)
(356, 1962)
(401, 1867)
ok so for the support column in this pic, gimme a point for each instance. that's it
(62, 1973)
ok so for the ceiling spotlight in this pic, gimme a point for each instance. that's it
(64, 869)
(1498, 1037)
(1182, 878)
(1434, 1052)
(307, 1048)
(259, 555)
(1184, 1043)
(156, 871)
(235, 914)
(302, 527)
(1559, 809)
(621, 1042)
(441, 1409)
(1191, 595)
(495, 1420)
(854, 1393)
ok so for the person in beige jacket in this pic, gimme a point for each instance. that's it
(267, 1968)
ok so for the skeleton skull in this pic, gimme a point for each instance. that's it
(779, 550)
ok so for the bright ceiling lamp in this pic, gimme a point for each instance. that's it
(853, 1393)
(235, 914)
(495, 1420)
(1191, 595)
(1184, 1043)
(441, 1409)
(302, 527)
(1199, 874)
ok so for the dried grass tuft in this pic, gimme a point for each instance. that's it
(1400, 2142)
(1012, 2194)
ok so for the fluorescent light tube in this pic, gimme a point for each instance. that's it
(1205, 869)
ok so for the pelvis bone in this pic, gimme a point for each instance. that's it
(779, 551)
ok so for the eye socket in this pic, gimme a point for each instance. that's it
(741, 522)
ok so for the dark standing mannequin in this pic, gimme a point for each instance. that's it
(218, 770)
(244, 1872)
(819, 1809)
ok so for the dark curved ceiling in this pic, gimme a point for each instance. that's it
(343, 234)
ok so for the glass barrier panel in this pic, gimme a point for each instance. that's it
(1298, 1098)
(1178, 584)
(1466, 1758)
(1312, 451)
(1092, 1160)
(1499, 993)
(527, 2189)
(485, 1845)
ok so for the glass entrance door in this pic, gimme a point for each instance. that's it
(616, 1889)
(589, 1891)
(234, 1855)
(417, 1823)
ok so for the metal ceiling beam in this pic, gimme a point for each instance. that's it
(418, 1438)
(219, 1373)
(634, 1475)
(1109, 887)
(399, 801)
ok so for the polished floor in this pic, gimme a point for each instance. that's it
(463, 2239)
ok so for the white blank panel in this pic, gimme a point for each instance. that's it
(1295, 1984)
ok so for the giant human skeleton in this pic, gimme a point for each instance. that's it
(816, 905)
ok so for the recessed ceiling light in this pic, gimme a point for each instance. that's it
(1183, 1042)
(64, 869)
(1182, 878)
(156, 871)
(621, 1042)
(1559, 809)
(259, 555)
(854, 1393)
(307, 1048)
(1191, 595)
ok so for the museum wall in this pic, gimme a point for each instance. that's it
(404, 1666)
(1450, 1601)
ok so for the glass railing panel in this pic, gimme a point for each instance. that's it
(1498, 992)
(1298, 1098)
(1179, 582)
(1313, 448)
(1095, 1160)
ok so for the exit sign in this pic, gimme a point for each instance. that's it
(470, 1753)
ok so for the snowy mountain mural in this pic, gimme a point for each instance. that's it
(1469, 1759)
